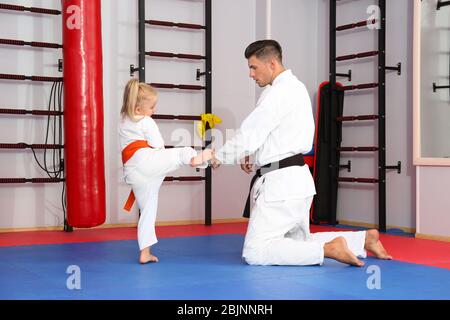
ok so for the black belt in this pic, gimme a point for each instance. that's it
(296, 160)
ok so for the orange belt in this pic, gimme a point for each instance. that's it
(127, 153)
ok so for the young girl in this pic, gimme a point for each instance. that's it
(146, 162)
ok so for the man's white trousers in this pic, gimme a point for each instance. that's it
(278, 234)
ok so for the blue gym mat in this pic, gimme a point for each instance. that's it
(202, 268)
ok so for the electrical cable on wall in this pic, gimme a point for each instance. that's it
(53, 166)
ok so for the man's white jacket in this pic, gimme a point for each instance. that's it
(281, 125)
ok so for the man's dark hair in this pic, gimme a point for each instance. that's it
(264, 49)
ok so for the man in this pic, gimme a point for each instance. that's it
(279, 131)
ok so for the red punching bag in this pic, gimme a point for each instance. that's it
(83, 113)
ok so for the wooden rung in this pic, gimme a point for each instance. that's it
(30, 9)
(12, 42)
(357, 118)
(356, 25)
(30, 146)
(32, 112)
(175, 55)
(358, 55)
(193, 147)
(177, 86)
(358, 149)
(358, 180)
(32, 180)
(174, 24)
(184, 179)
(32, 78)
(173, 117)
(360, 86)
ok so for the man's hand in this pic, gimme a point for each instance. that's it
(215, 163)
(247, 166)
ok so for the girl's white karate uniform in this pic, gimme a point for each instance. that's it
(146, 170)
(282, 125)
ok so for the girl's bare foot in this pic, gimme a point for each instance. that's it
(202, 157)
(337, 249)
(373, 245)
(147, 257)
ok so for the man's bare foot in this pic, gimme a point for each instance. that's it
(147, 257)
(337, 249)
(202, 157)
(373, 245)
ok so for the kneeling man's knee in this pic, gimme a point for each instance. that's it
(252, 257)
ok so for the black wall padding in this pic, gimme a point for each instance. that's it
(329, 138)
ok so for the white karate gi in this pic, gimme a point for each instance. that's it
(146, 170)
(282, 125)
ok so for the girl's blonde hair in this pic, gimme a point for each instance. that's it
(135, 92)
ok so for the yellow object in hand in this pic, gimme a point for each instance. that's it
(207, 118)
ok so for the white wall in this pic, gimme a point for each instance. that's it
(302, 28)
(120, 49)
(359, 203)
(27, 205)
(433, 202)
(293, 23)
(233, 98)
(233, 95)
(294, 26)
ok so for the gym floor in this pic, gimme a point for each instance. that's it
(199, 262)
